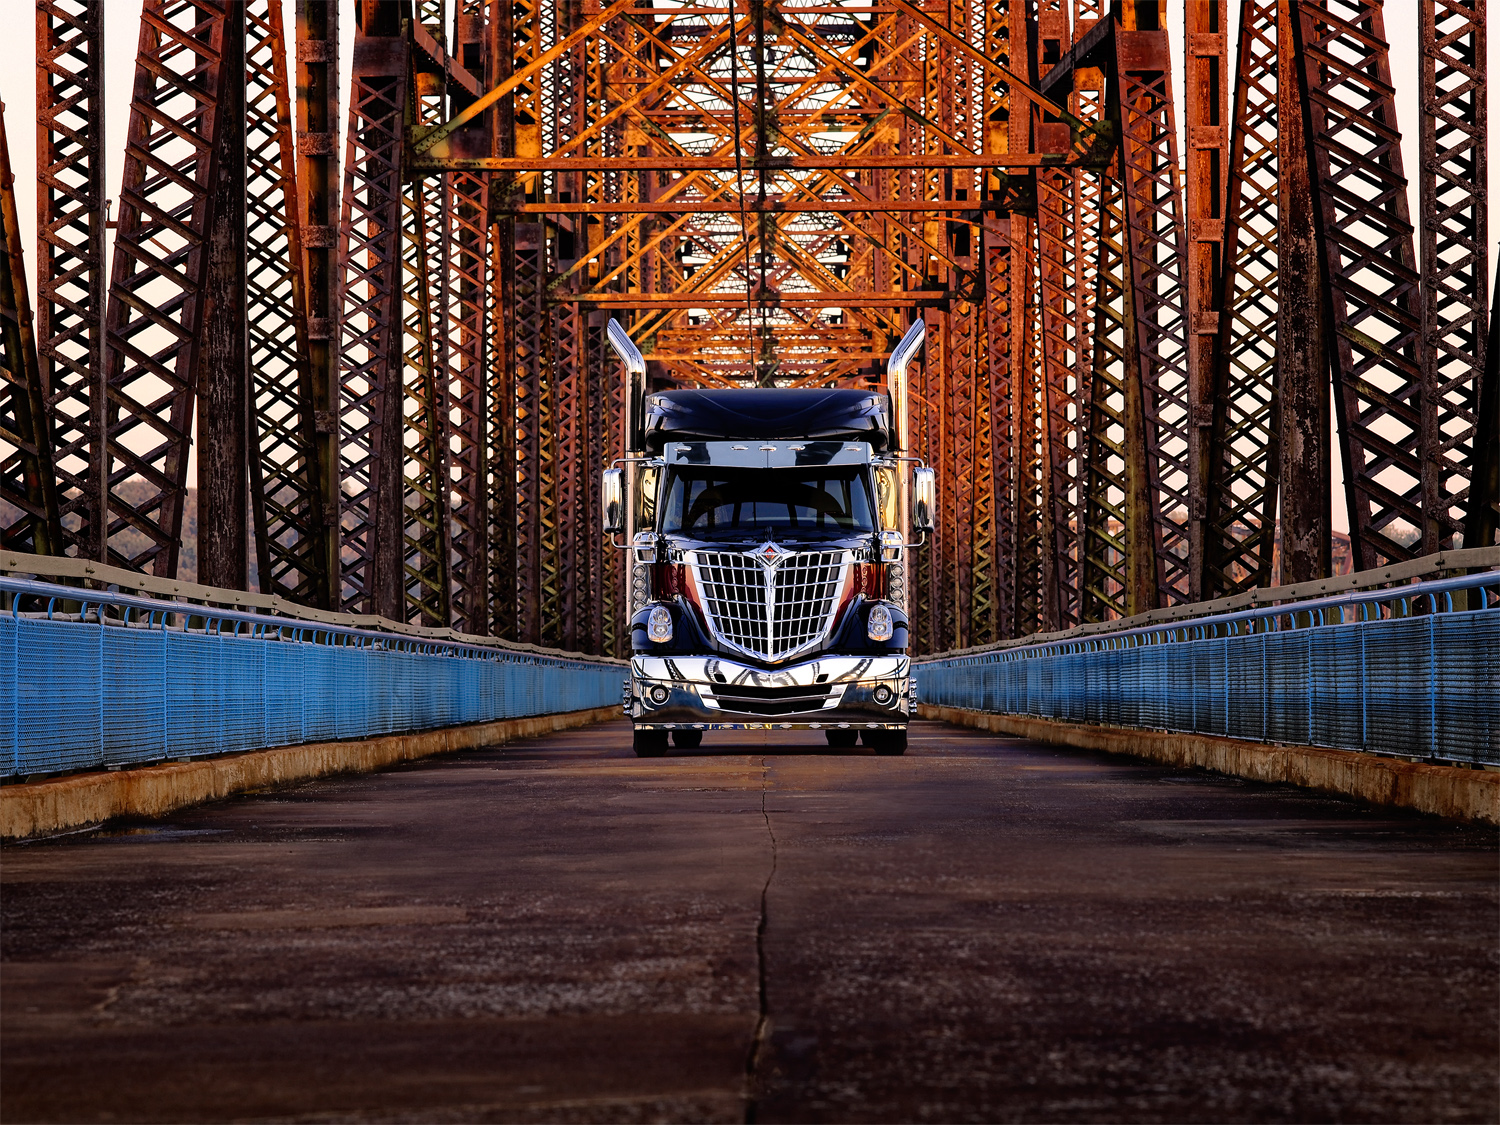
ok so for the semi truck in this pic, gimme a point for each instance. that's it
(768, 533)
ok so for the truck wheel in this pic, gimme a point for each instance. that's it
(650, 743)
(687, 739)
(891, 742)
(842, 739)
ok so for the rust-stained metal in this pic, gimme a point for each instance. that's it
(1130, 348)
(1243, 460)
(71, 216)
(284, 465)
(369, 243)
(154, 319)
(1454, 188)
(318, 184)
(27, 482)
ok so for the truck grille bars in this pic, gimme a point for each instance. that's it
(769, 609)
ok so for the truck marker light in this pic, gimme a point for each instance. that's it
(659, 625)
(880, 626)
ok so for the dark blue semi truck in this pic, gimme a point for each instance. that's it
(768, 533)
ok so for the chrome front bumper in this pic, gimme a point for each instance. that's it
(711, 693)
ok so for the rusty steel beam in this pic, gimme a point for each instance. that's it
(71, 218)
(223, 439)
(154, 322)
(1205, 102)
(1454, 188)
(369, 261)
(283, 459)
(27, 483)
(1242, 487)
(318, 184)
(1387, 416)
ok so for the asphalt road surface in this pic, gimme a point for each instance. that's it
(984, 929)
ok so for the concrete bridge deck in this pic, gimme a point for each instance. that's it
(555, 930)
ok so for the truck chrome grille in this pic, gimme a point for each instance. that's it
(769, 611)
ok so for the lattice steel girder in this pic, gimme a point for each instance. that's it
(370, 385)
(1454, 182)
(26, 478)
(1157, 296)
(928, 28)
(154, 320)
(1387, 421)
(283, 463)
(1244, 457)
(70, 260)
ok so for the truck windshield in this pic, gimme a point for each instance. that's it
(710, 500)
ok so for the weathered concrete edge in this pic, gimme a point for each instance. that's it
(1443, 790)
(43, 807)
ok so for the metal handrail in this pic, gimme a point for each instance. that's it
(1319, 606)
(1440, 562)
(241, 601)
(266, 623)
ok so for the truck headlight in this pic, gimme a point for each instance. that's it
(880, 626)
(659, 625)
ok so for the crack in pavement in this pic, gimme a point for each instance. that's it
(757, 1041)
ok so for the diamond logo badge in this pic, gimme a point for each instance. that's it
(771, 554)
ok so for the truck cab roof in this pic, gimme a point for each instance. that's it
(766, 414)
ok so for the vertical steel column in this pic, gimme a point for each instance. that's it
(1109, 504)
(1454, 179)
(1301, 331)
(370, 422)
(154, 321)
(26, 479)
(426, 286)
(317, 184)
(1244, 459)
(1028, 402)
(1206, 63)
(1156, 250)
(318, 209)
(468, 331)
(998, 297)
(224, 384)
(503, 578)
(283, 458)
(71, 207)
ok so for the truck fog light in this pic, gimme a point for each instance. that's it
(880, 627)
(659, 625)
(660, 695)
(883, 695)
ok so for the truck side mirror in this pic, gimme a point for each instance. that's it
(924, 498)
(612, 497)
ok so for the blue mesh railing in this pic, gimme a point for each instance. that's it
(92, 679)
(1413, 670)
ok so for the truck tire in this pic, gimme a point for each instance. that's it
(892, 742)
(687, 739)
(650, 743)
(841, 739)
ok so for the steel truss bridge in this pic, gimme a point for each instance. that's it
(389, 349)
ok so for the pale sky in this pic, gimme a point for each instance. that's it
(18, 92)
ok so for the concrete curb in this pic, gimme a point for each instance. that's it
(42, 807)
(1443, 790)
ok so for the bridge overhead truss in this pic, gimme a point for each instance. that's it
(389, 364)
